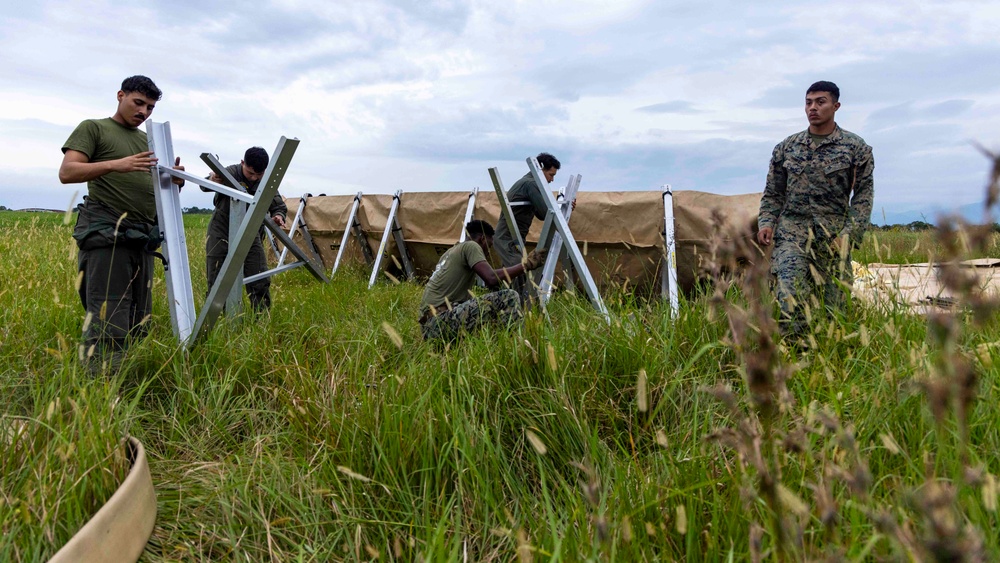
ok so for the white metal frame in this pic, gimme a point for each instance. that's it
(392, 227)
(548, 272)
(668, 283)
(353, 226)
(294, 227)
(555, 222)
(187, 327)
(469, 211)
(177, 270)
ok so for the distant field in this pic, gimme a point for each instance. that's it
(309, 435)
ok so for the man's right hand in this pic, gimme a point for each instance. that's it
(141, 162)
(765, 236)
(535, 260)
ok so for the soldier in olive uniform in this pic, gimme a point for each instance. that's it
(526, 202)
(448, 307)
(248, 173)
(116, 228)
(816, 205)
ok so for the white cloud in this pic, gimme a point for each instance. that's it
(392, 93)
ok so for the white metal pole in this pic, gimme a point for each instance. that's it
(347, 233)
(385, 239)
(468, 212)
(669, 283)
(180, 294)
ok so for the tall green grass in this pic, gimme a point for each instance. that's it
(314, 434)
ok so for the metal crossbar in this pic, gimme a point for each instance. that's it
(555, 222)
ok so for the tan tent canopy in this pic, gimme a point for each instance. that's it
(620, 233)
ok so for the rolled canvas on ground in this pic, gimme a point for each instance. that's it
(620, 233)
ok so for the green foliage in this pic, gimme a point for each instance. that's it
(197, 210)
(307, 434)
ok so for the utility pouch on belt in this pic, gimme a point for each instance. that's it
(99, 226)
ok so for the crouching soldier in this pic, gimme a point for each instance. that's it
(448, 307)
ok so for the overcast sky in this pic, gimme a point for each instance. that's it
(426, 95)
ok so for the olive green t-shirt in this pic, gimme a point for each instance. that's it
(453, 276)
(817, 139)
(125, 192)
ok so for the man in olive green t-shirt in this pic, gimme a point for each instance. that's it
(116, 226)
(448, 307)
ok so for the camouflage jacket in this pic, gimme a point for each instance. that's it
(825, 188)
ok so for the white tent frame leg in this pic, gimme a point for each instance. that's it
(353, 227)
(668, 280)
(392, 227)
(294, 227)
(469, 211)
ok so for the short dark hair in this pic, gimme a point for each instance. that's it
(142, 85)
(256, 158)
(548, 161)
(478, 227)
(825, 86)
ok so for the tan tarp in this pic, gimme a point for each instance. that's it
(917, 285)
(620, 233)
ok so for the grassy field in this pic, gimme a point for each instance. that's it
(329, 431)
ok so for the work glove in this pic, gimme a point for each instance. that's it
(535, 260)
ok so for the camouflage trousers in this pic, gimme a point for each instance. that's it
(500, 308)
(810, 278)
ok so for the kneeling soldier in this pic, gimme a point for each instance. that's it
(448, 307)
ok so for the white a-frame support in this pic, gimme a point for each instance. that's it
(555, 222)
(469, 210)
(294, 227)
(299, 224)
(506, 213)
(668, 283)
(548, 273)
(354, 227)
(392, 227)
(311, 261)
(188, 328)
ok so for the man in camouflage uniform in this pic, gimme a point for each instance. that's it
(248, 173)
(448, 307)
(116, 228)
(816, 205)
(526, 203)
